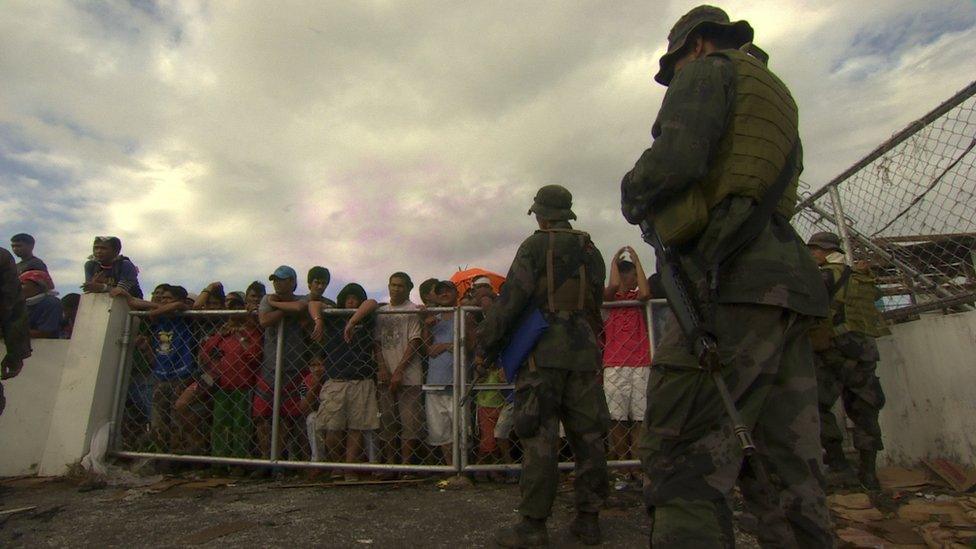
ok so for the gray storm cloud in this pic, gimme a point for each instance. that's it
(222, 139)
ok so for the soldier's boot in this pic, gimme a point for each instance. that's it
(529, 532)
(839, 470)
(586, 528)
(867, 472)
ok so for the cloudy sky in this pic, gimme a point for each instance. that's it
(221, 139)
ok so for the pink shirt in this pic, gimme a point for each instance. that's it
(625, 331)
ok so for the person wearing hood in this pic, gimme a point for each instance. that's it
(107, 268)
(43, 307)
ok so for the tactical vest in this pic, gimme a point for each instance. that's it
(852, 308)
(571, 293)
(759, 135)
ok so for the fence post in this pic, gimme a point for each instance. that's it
(275, 409)
(460, 388)
(841, 223)
(120, 385)
(456, 390)
(649, 316)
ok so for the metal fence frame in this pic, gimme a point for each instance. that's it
(460, 440)
(945, 296)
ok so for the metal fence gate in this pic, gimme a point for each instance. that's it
(214, 387)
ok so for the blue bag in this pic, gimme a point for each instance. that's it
(530, 329)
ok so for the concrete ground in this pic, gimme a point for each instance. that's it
(201, 510)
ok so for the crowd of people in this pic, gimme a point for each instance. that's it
(360, 380)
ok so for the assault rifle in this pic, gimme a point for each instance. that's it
(692, 322)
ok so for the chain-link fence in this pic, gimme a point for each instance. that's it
(909, 211)
(372, 395)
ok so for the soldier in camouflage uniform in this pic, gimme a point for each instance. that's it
(725, 133)
(846, 357)
(561, 272)
(13, 321)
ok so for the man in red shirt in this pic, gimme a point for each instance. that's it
(626, 352)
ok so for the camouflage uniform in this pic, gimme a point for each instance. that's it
(760, 308)
(13, 319)
(560, 381)
(846, 358)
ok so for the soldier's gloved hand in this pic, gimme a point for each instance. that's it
(10, 367)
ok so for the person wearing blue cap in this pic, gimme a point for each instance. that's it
(276, 310)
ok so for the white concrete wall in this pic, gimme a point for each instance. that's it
(30, 401)
(64, 394)
(928, 372)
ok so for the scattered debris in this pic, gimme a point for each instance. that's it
(850, 501)
(935, 535)
(859, 538)
(960, 478)
(9, 512)
(899, 478)
(944, 511)
(455, 482)
(855, 507)
(350, 483)
(897, 531)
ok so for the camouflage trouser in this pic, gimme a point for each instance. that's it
(853, 380)
(543, 398)
(692, 457)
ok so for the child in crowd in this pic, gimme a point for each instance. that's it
(495, 418)
(229, 362)
(173, 365)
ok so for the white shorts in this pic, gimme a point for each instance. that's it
(506, 421)
(626, 390)
(440, 414)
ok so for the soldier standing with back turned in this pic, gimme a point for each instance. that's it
(726, 134)
(13, 321)
(561, 272)
(846, 356)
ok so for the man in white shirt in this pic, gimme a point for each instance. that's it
(398, 337)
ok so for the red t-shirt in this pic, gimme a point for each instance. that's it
(290, 406)
(235, 357)
(625, 335)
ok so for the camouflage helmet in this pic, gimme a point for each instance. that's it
(702, 16)
(553, 203)
(826, 241)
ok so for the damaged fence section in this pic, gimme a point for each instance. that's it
(909, 210)
(401, 391)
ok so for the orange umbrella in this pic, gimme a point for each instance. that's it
(463, 279)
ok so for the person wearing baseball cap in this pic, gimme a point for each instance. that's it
(281, 309)
(718, 186)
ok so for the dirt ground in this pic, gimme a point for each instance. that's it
(916, 508)
(177, 511)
